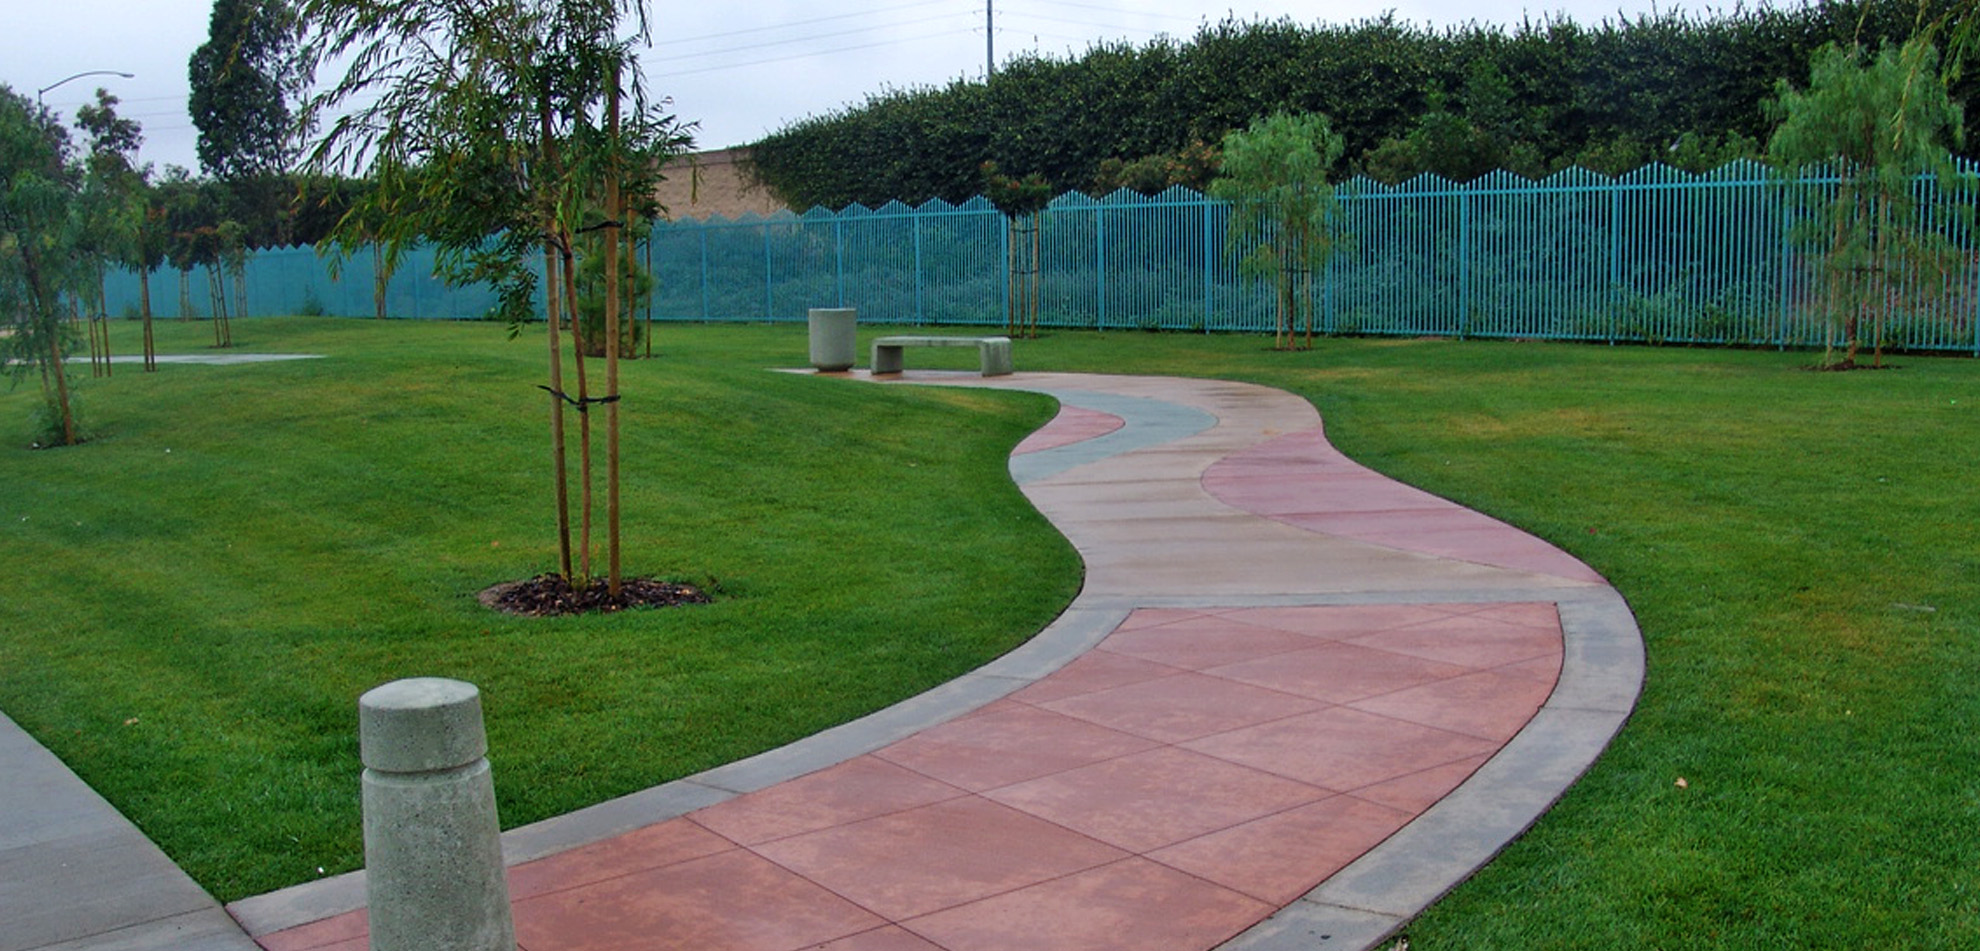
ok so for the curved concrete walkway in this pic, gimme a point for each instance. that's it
(1294, 703)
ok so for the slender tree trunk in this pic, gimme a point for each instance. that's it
(1306, 273)
(1884, 282)
(648, 303)
(379, 278)
(1011, 286)
(614, 207)
(144, 302)
(82, 313)
(100, 328)
(552, 306)
(103, 317)
(1037, 270)
(62, 389)
(216, 290)
(584, 410)
(50, 317)
(185, 294)
(552, 309)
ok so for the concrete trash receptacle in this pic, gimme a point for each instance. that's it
(834, 338)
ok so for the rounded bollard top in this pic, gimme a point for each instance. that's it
(420, 724)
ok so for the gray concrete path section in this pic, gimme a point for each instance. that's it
(76, 875)
(218, 359)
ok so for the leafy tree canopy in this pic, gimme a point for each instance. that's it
(1405, 99)
(243, 78)
(38, 184)
(1877, 123)
(1282, 207)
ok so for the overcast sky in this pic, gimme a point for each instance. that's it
(741, 68)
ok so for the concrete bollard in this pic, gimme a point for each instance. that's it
(432, 843)
(834, 338)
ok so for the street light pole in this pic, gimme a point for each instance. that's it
(92, 72)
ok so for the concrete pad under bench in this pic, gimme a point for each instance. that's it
(995, 352)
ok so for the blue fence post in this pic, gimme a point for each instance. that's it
(1464, 259)
(1100, 266)
(1787, 269)
(1209, 262)
(1614, 295)
(707, 307)
(1004, 252)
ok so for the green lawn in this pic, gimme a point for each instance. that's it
(1799, 548)
(197, 597)
(1802, 551)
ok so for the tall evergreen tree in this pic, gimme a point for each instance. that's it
(243, 78)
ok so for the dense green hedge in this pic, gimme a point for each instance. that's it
(1534, 98)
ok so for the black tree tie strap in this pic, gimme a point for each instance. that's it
(581, 405)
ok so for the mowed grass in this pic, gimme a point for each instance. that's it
(1799, 548)
(197, 597)
(1802, 552)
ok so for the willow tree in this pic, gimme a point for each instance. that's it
(1274, 175)
(38, 187)
(480, 125)
(1882, 129)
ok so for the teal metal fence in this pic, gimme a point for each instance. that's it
(1657, 255)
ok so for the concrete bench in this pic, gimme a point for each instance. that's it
(995, 352)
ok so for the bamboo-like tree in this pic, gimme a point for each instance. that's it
(38, 225)
(1274, 175)
(482, 122)
(112, 205)
(1882, 127)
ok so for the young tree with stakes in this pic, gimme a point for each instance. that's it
(137, 240)
(1023, 202)
(482, 123)
(112, 208)
(1274, 175)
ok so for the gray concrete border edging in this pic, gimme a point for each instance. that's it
(1382, 891)
(1358, 908)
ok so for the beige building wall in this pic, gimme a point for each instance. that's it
(722, 188)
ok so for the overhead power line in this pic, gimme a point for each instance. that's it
(797, 23)
(800, 39)
(1116, 11)
(812, 53)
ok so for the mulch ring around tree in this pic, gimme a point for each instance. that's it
(555, 596)
(1843, 365)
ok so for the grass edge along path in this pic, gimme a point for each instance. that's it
(199, 594)
(1797, 547)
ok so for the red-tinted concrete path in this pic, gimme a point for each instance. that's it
(1295, 702)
